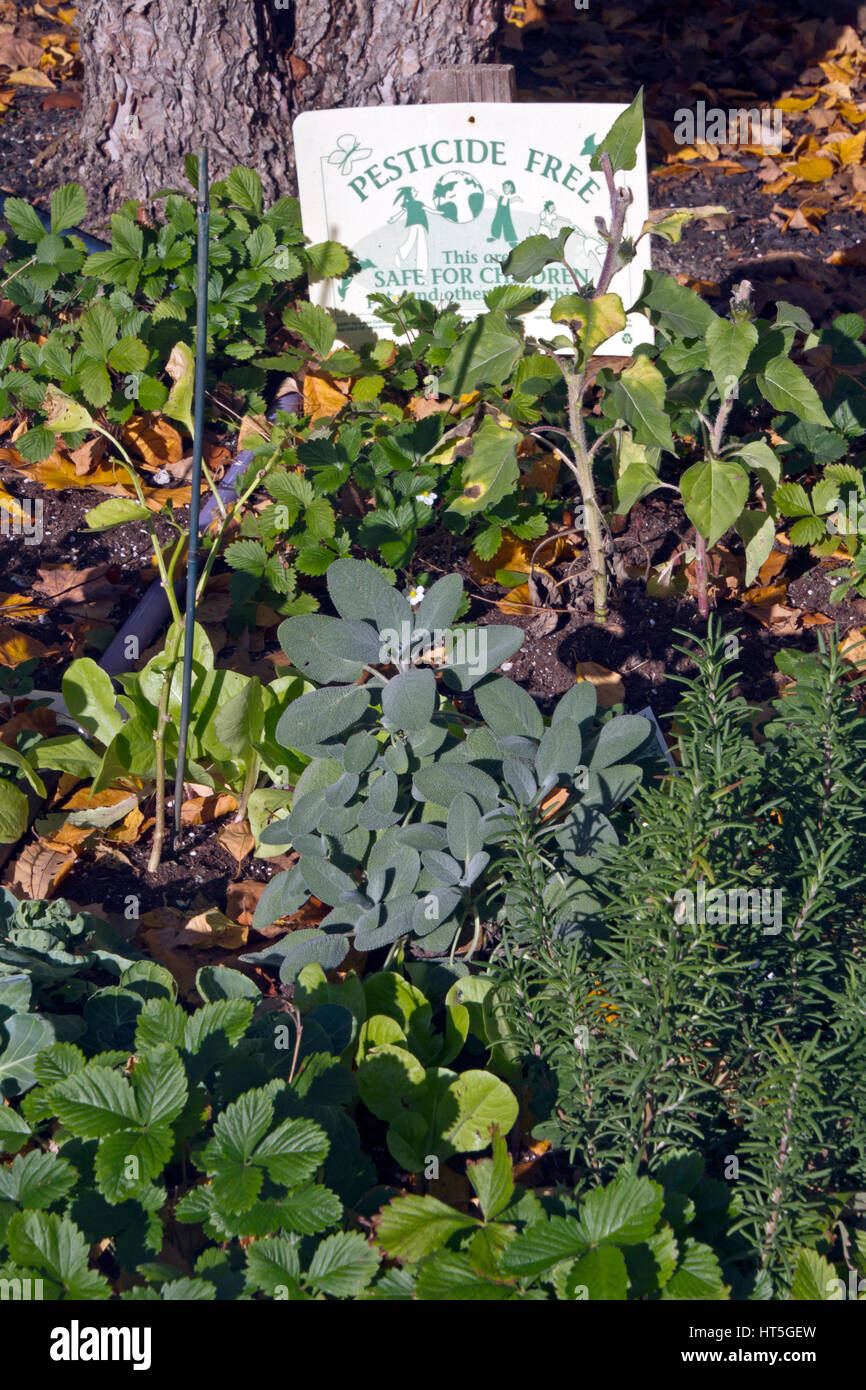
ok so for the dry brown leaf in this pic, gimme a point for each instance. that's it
(209, 929)
(236, 839)
(155, 438)
(773, 565)
(130, 829)
(64, 584)
(18, 52)
(200, 810)
(39, 871)
(783, 620)
(608, 684)
(242, 899)
(853, 648)
(86, 457)
(253, 427)
(57, 473)
(851, 255)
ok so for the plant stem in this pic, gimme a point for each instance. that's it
(701, 574)
(586, 483)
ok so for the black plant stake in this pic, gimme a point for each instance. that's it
(198, 444)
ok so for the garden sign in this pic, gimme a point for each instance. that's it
(431, 199)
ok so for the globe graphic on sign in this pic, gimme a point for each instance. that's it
(458, 196)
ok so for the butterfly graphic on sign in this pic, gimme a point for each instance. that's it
(349, 151)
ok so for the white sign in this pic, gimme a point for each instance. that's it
(431, 199)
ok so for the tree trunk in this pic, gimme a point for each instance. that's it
(161, 77)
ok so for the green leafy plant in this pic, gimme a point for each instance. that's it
(413, 792)
(131, 739)
(110, 320)
(717, 1003)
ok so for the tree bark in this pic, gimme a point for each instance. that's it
(162, 77)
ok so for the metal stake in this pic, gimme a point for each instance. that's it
(198, 445)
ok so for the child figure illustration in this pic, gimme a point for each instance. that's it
(548, 220)
(502, 223)
(410, 207)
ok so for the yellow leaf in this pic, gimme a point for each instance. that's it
(795, 103)
(608, 684)
(16, 646)
(20, 606)
(813, 168)
(30, 77)
(850, 113)
(849, 148)
(321, 399)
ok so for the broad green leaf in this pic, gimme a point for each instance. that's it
(244, 187)
(63, 415)
(601, 1273)
(90, 698)
(485, 1102)
(98, 331)
(815, 1280)
(714, 494)
(22, 1038)
(729, 345)
(314, 325)
(487, 351)
(36, 1180)
(623, 1212)
(530, 256)
(638, 396)
(68, 207)
(788, 388)
(618, 739)
(12, 758)
(622, 140)
(14, 812)
(410, 1228)
(509, 709)
(491, 471)
(321, 714)
(493, 1180)
(116, 511)
(95, 1102)
(543, 1245)
(42, 1240)
(757, 532)
(697, 1275)
(598, 319)
(408, 700)
(342, 1265)
(273, 1265)
(678, 311)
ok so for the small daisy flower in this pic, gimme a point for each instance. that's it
(428, 498)
(415, 594)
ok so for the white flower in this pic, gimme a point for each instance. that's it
(428, 498)
(415, 595)
(161, 477)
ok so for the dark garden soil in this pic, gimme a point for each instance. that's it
(721, 53)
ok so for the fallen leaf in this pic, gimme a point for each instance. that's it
(853, 648)
(155, 438)
(30, 77)
(242, 899)
(39, 871)
(16, 646)
(322, 399)
(783, 620)
(20, 606)
(608, 684)
(209, 929)
(18, 52)
(200, 810)
(236, 840)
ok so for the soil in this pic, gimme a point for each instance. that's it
(678, 54)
